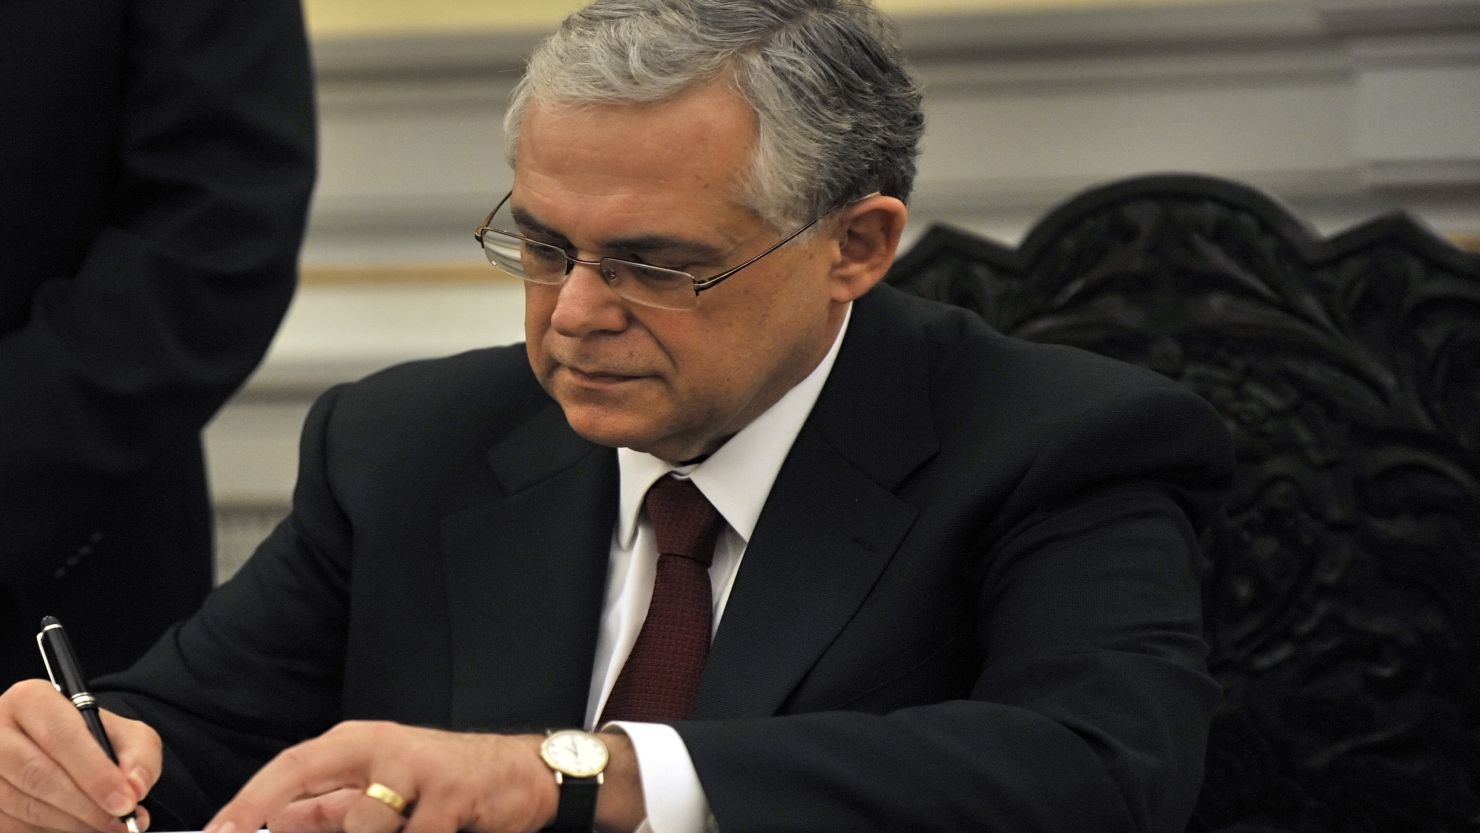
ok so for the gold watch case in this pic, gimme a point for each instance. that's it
(576, 753)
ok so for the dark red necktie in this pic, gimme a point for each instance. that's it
(661, 675)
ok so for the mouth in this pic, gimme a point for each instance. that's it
(598, 378)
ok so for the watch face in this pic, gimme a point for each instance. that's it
(575, 753)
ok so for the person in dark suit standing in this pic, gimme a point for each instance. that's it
(763, 544)
(156, 160)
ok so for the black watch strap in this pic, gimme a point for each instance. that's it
(577, 810)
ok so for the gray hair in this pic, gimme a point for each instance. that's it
(838, 108)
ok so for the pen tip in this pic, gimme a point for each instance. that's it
(132, 824)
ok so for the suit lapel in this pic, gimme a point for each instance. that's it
(526, 578)
(832, 521)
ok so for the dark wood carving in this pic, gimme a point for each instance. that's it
(1343, 586)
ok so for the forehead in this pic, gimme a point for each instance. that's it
(597, 169)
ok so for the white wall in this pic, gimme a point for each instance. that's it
(1343, 108)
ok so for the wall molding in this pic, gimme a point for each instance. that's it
(1359, 17)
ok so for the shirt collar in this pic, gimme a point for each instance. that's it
(738, 476)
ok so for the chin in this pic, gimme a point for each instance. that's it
(644, 437)
(603, 429)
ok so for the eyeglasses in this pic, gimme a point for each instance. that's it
(640, 283)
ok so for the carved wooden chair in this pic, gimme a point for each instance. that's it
(1343, 586)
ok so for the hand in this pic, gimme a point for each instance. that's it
(55, 776)
(451, 781)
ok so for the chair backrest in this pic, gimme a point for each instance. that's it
(1343, 585)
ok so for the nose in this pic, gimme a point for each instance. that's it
(587, 304)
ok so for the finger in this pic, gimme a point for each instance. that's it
(66, 824)
(11, 824)
(8, 824)
(26, 812)
(39, 730)
(430, 817)
(60, 732)
(320, 814)
(337, 759)
(369, 815)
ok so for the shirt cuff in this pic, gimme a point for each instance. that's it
(670, 787)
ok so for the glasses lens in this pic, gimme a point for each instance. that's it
(650, 285)
(525, 259)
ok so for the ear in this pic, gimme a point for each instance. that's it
(868, 233)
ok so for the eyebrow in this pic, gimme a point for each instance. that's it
(690, 250)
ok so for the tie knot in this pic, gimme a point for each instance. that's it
(684, 521)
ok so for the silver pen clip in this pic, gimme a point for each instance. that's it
(41, 646)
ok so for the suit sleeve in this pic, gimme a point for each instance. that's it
(1089, 709)
(260, 664)
(183, 286)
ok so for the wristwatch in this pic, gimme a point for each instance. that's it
(578, 759)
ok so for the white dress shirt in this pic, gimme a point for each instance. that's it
(736, 479)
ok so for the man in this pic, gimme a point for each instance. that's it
(155, 166)
(954, 576)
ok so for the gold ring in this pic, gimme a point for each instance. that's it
(387, 796)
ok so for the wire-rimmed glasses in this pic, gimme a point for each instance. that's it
(640, 283)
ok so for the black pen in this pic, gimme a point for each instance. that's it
(74, 685)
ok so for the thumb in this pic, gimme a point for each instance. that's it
(139, 750)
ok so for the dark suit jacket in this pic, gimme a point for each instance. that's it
(155, 164)
(971, 601)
